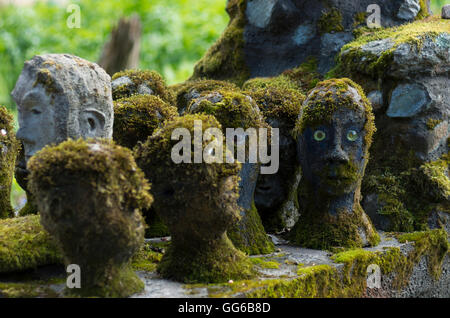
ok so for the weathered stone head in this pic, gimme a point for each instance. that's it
(62, 96)
(235, 110)
(188, 91)
(136, 82)
(198, 202)
(90, 196)
(334, 133)
(138, 116)
(8, 152)
(275, 194)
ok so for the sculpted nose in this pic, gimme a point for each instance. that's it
(21, 135)
(336, 153)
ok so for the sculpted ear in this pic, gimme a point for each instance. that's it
(92, 123)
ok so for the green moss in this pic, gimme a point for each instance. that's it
(355, 61)
(432, 123)
(155, 226)
(9, 148)
(279, 82)
(137, 117)
(214, 263)
(147, 259)
(151, 79)
(249, 235)
(359, 19)
(225, 59)
(24, 244)
(264, 263)
(330, 21)
(191, 89)
(306, 75)
(26, 290)
(424, 10)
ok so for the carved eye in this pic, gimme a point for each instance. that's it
(35, 111)
(319, 135)
(352, 135)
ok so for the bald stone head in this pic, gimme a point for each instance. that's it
(61, 96)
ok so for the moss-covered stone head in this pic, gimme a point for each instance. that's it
(334, 132)
(191, 90)
(9, 147)
(196, 200)
(280, 107)
(138, 116)
(61, 96)
(90, 196)
(137, 82)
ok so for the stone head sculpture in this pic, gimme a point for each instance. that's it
(9, 147)
(62, 96)
(198, 203)
(334, 132)
(136, 82)
(90, 196)
(275, 194)
(235, 110)
(138, 116)
(190, 90)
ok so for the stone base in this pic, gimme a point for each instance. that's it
(412, 265)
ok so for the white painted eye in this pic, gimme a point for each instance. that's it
(319, 135)
(352, 135)
(3, 132)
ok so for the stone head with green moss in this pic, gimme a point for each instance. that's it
(197, 201)
(236, 110)
(9, 147)
(138, 116)
(138, 82)
(334, 132)
(90, 196)
(275, 194)
(190, 90)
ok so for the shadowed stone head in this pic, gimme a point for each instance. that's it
(62, 96)
(198, 203)
(90, 197)
(280, 107)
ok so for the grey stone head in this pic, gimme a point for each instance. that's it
(61, 96)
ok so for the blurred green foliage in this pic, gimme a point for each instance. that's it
(176, 33)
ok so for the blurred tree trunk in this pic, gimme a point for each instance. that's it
(122, 50)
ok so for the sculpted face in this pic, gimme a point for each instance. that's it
(36, 118)
(332, 154)
(61, 96)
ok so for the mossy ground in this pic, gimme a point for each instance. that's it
(24, 244)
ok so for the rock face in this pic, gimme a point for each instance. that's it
(267, 37)
(409, 68)
(197, 202)
(90, 197)
(9, 147)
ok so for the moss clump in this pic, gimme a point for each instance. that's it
(90, 197)
(27, 290)
(147, 259)
(432, 123)
(330, 21)
(138, 116)
(197, 202)
(353, 61)
(190, 90)
(24, 245)
(279, 82)
(264, 263)
(140, 79)
(225, 59)
(9, 148)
